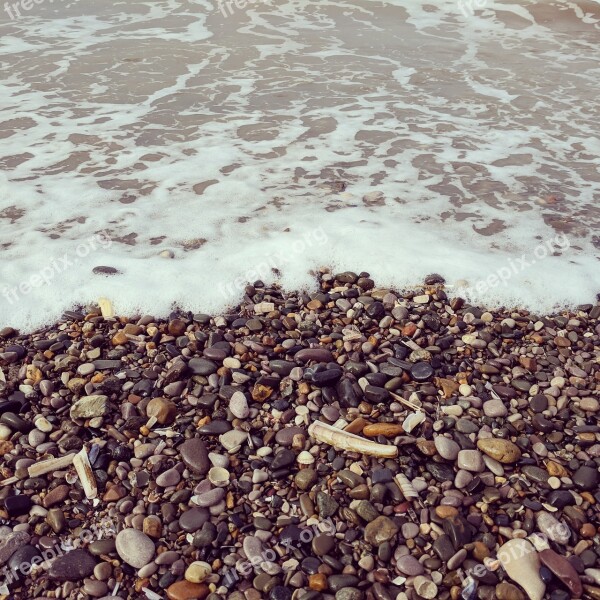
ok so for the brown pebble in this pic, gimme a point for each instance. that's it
(186, 590)
(384, 429)
(317, 582)
(446, 512)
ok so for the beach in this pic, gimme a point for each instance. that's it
(299, 300)
(353, 443)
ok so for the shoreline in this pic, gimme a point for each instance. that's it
(203, 453)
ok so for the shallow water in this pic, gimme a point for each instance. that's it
(397, 137)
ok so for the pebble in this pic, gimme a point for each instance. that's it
(89, 406)
(135, 547)
(522, 564)
(72, 566)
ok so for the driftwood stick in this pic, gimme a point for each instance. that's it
(348, 441)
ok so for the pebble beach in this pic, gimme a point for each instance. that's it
(351, 443)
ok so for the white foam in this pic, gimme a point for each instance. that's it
(230, 135)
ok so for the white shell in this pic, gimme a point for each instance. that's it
(413, 420)
(305, 458)
(219, 476)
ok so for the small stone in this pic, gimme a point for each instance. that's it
(494, 408)
(89, 407)
(198, 571)
(135, 547)
(504, 451)
(586, 478)
(326, 505)
(508, 591)
(186, 590)
(425, 587)
(470, 460)
(447, 448)
(162, 409)
(558, 532)
(380, 530)
(168, 478)
(238, 405)
(305, 478)
(195, 455)
(72, 566)
(408, 565)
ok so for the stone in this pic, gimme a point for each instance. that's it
(504, 451)
(17, 505)
(305, 478)
(555, 530)
(326, 505)
(72, 566)
(508, 591)
(470, 460)
(11, 543)
(384, 429)
(380, 530)
(408, 565)
(89, 407)
(186, 590)
(168, 478)
(233, 439)
(522, 564)
(446, 448)
(135, 547)
(495, 408)
(586, 478)
(195, 456)
(238, 405)
(426, 588)
(202, 366)
(198, 571)
(162, 409)
(563, 570)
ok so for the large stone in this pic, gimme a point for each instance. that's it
(135, 547)
(11, 543)
(446, 448)
(504, 451)
(72, 566)
(186, 590)
(380, 530)
(89, 407)
(563, 570)
(522, 564)
(195, 456)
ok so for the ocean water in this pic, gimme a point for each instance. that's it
(194, 146)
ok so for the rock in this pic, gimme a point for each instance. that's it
(89, 407)
(17, 505)
(198, 571)
(238, 405)
(384, 429)
(522, 564)
(163, 410)
(495, 408)
(233, 439)
(563, 570)
(195, 456)
(135, 547)
(186, 590)
(22, 559)
(586, 478)
(11, 543)
(72, 566)
(305, 478)
(555, 530)
(314, 354)
(326, 505)
(168, 478)
(446, 448)
(508, 591)
(425, 587)
(202, 366)
(470, 460)
(504, 451)
(380, 530)
(408, 565)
